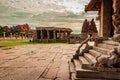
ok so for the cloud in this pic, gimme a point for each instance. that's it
(58, 13)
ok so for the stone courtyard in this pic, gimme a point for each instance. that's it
(36, 62)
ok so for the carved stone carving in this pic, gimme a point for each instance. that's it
(116, 6)
(111, 63)
(116, 20)
(87, 47)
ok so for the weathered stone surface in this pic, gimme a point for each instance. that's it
(36, 62)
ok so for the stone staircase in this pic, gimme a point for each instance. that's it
(78, 73)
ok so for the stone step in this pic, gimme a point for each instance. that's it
(111, 42)
(101, 45)
(78, 65)
(94, 53)
(71, 67)
(101, 50)
(83, 73)
(87, 79)
(73, 76)
(89, 58)
(83, 60)
(107, 45)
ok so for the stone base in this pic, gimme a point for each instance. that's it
(98, 75)
(90, 67)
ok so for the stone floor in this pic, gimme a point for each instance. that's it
(36, 62)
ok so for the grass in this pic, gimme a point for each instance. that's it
(8, 44)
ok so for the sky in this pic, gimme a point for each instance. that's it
(37, 5)
(65, 13)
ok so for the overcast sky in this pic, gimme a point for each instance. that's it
(33, 12)
(37, 5)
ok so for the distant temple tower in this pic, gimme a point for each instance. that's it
(89, 27)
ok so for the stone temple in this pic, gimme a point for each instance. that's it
(52, 34)
(99, 60)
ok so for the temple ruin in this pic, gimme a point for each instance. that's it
(52, 34)
(100, 61)
(89, 27)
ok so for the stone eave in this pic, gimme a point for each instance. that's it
(54, 28)
(93, 5)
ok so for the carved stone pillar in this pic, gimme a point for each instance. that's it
(68, 36)
(48, 36)
(64, 35)
(116, 20)
(41, 33)
(106, 19)
(59, 34)
(54, 35)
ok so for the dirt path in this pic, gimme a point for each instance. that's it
(36, 62)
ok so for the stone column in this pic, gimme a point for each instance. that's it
(4, 34)
(99, 17)
(68, 36)
(64, 36)
(116, 19)
(16, 35)
(21, 35)
(41, 33)
(48, 36)
(54, 35)
(106, 19)
(59, 34)
(10, 35)
(116, 16)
